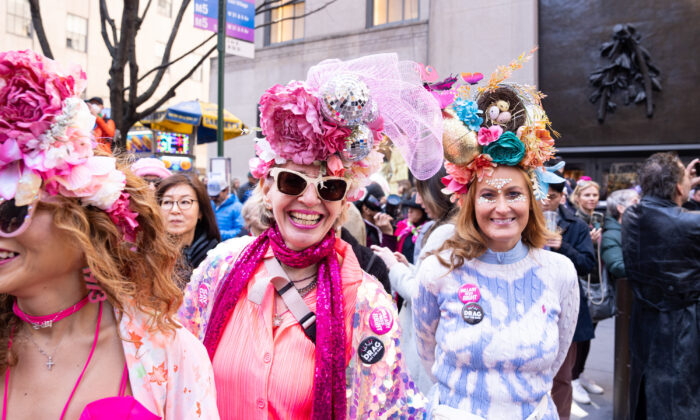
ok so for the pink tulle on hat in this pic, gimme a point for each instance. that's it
(150, 166)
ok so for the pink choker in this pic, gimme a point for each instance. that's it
(46, 321)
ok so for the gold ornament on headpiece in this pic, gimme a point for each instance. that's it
(458, 141)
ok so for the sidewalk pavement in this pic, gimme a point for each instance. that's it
(599, 368)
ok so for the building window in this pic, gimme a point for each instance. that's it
(165, 7)
(286, 22)
(19, 18)
(76, 33)
(391, 11)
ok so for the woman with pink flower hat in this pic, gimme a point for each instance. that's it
(294, 327)
(87, 302)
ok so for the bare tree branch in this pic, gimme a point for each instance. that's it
(171, 92)
(38, 25)
(143, 15)
(166, 55)
(311, 12)
(174, 61)
(104, 19)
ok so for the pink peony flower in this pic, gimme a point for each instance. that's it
(32, 91)
(292, 122)
(460, 174)
(489, 135)
(260, 168)
(123, 217)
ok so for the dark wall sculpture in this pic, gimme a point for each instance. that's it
(629, 71)
(570, 35)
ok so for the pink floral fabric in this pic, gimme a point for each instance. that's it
(171, 375)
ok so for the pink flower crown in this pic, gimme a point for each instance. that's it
(503, 123)
(340, 114)
(46, 139)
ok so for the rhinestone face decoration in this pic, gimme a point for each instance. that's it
(519, 199)
(345, 100)
(358, 144)
(484, 200)
(498, 183)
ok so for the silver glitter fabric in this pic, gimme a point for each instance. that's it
(358, 144)
(345, 99)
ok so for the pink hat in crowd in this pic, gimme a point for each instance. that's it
(150, 166)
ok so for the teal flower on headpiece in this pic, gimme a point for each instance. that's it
(468, 113)
(507, 150)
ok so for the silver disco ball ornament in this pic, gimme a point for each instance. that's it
(358, 144)
(372, 112)
(344, 99)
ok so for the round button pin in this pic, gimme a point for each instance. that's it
(469, 293)
(371, 350)
(472, 313)
(381, 320)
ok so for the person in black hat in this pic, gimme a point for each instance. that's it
(380, 230)
(408, 229)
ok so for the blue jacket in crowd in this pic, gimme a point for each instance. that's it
(228, 217)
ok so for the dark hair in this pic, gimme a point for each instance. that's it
(431, 194)
(659, 175)
(207, 222)
(558, 187)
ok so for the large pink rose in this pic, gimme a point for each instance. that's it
(32, 92)
(292, 122)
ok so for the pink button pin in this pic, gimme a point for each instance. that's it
(381, 320)
(203, 294)
(469, 293)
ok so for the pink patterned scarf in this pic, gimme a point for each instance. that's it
(329, 376)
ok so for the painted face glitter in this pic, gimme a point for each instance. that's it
(519, 199)
(498, 183)
(484, 200)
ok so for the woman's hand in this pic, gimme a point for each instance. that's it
(386, 255)
(383, 222)
(595, 234)
(554, 243)
(401, 258)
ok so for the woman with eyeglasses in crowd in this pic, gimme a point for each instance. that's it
(494, 312)
(293, 325)
(87, 303)
(189, 220)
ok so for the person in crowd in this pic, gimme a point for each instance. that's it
(227, 208)
(660, 246)
(246, 190)
(104, 126)
(251, 212)
(574, 242)
(151, 170)
(293, 325)
(408, 229)
(693, 202)
(189, 220)
(87, 303)
(611, 242)
(431, 236)
(378, 225)
(585, 198)
(495, 313)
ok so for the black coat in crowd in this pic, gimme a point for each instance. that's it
(576, 244)
(661, 248)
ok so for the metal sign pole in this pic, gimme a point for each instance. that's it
(221, 45)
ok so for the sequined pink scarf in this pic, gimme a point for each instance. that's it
(329, 376)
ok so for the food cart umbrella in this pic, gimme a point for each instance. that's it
(186, 117)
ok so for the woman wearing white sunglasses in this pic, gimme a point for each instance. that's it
(293, 325)
(87, 303)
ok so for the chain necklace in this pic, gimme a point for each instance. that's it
(49, 356)
(277, 319)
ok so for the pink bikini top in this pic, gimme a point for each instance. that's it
(112, 408)
(118, 408)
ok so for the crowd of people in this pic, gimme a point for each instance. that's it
(317, 289)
